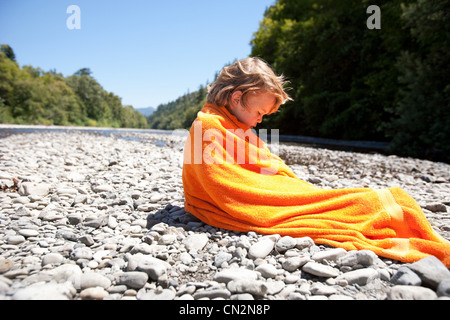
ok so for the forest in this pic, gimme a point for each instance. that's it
(351, 82)
(29, 95)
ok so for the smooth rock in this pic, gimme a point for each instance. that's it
(133, 279)
(66, 273)
(431, 270)
(443, 289)
(261, 248)
(52, 258)
(46, 291)
(28, 233)
(222, 257)
(227, 275)
(304, 242)
(411, 293)
(293, 263)
(164, 294)
(16, 239)
(436, 207)
(94, 293)
(153, 267)
(267, 270)
(102, 188)
(405, 276)
(81, 253)
(35, 189)
(285, 243)
(320, 270)
(360, 276)
(5, 265)
(94, 279)
(195, 242)
(318, 288)
(254, 287)
(212, 294)
(362, 257)
(329, 255)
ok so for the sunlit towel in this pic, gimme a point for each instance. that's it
(232, 181)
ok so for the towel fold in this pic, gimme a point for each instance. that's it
(232, 181)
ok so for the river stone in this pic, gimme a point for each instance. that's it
(261, 248)
(94, 279)
(5, 265)
(94, 293)
(133, 279)
(230, 274)
(285, 243)
(46, 291)
(52, 258)
(362, 257)
(359, 276)
(443, 289)
(15, 239)
(195, 242)
(329, 255)
(405, 276)
(154, 267)
(411, 293)
(320, 270)
(164, 294)
(254, 287)
(293, 263)
(28, 233)
(304, 242)
(431, 270)
(267, 270)
(35, 189)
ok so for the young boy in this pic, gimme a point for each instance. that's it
(232, 181)
(249, 89)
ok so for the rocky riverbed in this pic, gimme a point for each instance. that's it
(88, 216)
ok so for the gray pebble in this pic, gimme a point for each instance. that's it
(261, 248)
(431, 270)
(405, 276)
(411, 293)
(320, 270)
(133, 279)
(94, 279)
(52, 258)
(443, 289)
(360, 276)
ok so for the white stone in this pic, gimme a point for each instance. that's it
(261, 248)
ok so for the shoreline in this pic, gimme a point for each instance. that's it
(333, 144)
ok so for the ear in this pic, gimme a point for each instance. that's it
(236, 98)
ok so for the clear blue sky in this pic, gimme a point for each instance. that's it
(145, 51)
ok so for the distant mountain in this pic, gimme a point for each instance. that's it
(146, 111)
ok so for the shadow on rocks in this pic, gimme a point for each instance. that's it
(175, 216)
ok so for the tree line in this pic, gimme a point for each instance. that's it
(349, 82)
(29, 95)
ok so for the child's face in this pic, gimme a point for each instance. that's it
(259, 104)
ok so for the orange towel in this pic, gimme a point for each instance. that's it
(232, 181)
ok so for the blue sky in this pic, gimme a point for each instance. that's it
(147, 52)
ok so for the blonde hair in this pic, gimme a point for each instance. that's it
(246, 75)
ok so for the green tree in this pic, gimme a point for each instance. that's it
(8, 51)
(31, 95)
(421, 122)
